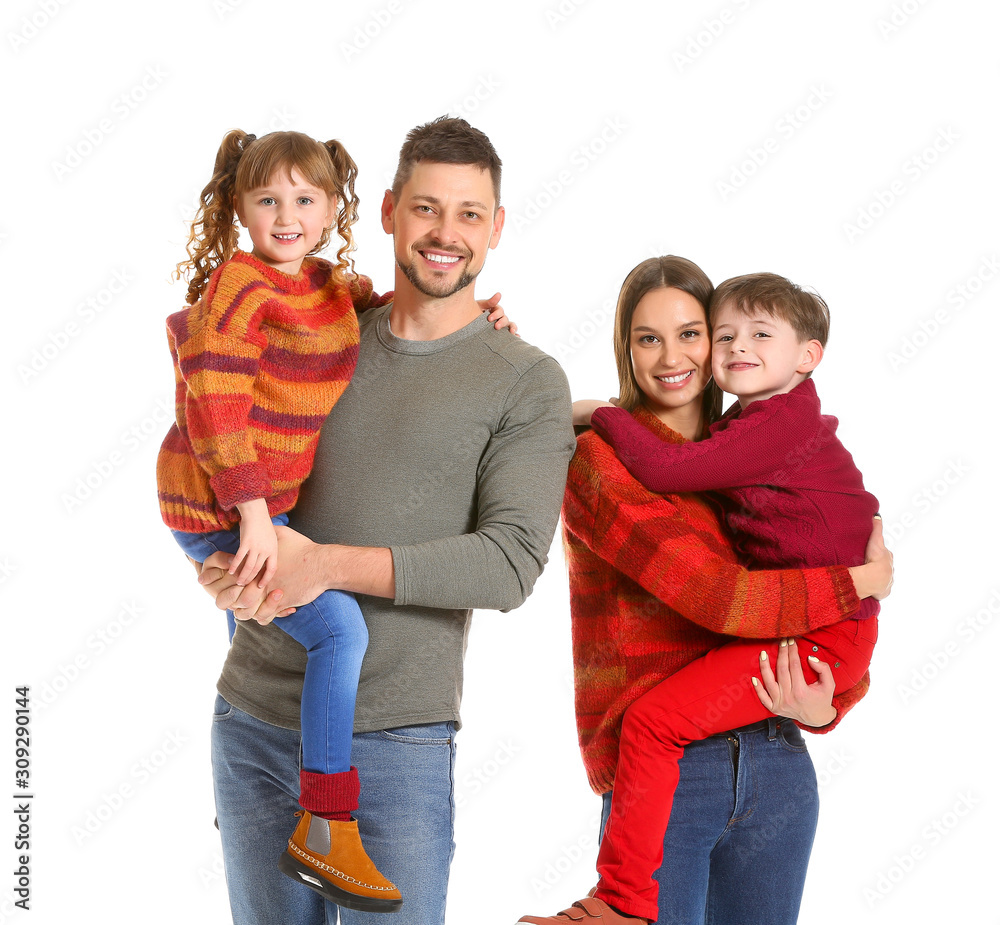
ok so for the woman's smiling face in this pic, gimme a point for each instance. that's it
(671, 350)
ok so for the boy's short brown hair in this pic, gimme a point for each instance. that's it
(778, 297)
(447, 140)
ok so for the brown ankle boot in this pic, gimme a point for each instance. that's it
(328, 857)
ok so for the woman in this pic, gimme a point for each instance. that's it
(654, 584)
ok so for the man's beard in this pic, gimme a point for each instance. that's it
(436, 289)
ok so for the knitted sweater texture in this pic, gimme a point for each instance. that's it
(259, 362)
(655, 584)
(798, 499)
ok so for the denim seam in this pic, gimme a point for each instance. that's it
(409, 740)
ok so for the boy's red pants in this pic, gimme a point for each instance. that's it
(710, 696)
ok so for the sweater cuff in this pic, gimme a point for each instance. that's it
(245, 482)
(847, 594)
(603, 421)
(399, 570)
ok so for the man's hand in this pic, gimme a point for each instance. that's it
(297, 581)
(305, 570)
(216, 580)
(789, 695)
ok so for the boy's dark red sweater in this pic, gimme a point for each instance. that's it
(797, 497)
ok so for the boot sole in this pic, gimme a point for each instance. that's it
(308, 877)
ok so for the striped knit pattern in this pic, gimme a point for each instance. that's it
(259, 362)
(655, 584)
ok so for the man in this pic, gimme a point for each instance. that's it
(443, 468)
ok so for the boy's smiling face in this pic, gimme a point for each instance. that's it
(758, 356)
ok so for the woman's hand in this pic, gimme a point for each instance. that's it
(874, 578)
(496, 314)
(789, 695)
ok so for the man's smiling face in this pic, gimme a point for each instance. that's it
(443, 223)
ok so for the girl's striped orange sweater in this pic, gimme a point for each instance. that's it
(259, 362)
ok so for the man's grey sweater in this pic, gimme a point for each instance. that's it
(452, 453)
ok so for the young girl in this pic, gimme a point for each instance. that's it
(266, 346)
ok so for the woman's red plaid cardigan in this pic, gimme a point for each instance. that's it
(655, 584)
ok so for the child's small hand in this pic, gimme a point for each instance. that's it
(584, 409)
(874, 578)
(875, 552)
(496, 314)
(258, 552)
(256, 556)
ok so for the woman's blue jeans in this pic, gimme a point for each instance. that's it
(741, 829)
(335, 636)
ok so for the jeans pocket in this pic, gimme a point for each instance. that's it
(223, 709)
(790, 736)
(433, 734)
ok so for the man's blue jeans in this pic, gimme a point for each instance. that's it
(334, 634)
(741, 830)
(406, 818)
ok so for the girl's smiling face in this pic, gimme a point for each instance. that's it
(286, 219)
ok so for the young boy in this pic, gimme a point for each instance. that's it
(794, 499)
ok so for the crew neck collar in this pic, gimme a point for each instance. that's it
(423, 347)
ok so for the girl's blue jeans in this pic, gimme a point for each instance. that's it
(335, 637)
(405, 818)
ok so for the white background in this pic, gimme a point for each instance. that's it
(849, 146)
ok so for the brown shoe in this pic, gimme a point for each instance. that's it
(328, 857)
(590, 911)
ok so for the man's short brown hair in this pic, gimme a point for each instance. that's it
(447, 140)
(778, 297)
